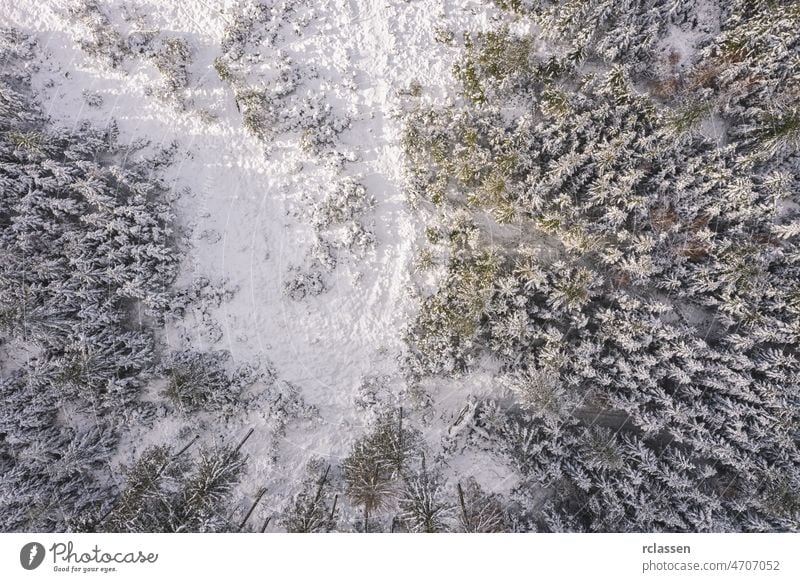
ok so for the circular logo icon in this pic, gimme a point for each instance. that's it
(31, 555)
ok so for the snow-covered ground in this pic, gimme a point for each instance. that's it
(242, 204)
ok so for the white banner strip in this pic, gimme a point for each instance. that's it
(357, 557)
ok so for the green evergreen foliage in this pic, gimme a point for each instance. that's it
(495, 56)
(312, 509)
(611, 224)
(172, 59)
(613, 31)
(376, 463)
(87, 257)
(87, 248)
(198, 381)
(639, 307)
(481, 512)
(173, 493)
(422, 502)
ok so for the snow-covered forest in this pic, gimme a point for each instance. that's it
(400, 266)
